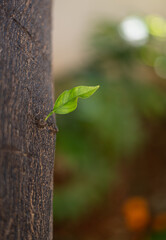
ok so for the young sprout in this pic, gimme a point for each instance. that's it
(67, 101)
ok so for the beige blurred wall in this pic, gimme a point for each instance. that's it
(73, 19)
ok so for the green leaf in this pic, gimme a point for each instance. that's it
(67, 101)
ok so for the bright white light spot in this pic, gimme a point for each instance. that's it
(134, 31)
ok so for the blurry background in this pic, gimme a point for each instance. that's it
(111, 152)
(74, 20)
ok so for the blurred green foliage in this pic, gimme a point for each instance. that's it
(111, 126)
(158, 236)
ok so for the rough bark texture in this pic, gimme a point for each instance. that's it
(27, 143)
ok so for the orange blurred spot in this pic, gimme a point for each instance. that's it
(159, 222)
(136, 213)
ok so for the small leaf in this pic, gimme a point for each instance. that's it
(67, 101)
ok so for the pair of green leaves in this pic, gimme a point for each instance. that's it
(67, 101)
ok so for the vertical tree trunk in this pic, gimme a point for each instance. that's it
(27, 142)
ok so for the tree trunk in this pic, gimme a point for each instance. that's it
(27, 142)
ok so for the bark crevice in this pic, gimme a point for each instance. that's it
(27, 144)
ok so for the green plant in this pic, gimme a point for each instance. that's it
(67, 101)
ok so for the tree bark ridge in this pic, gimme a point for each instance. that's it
(27, 143)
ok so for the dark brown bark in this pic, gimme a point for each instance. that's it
(27, 143)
